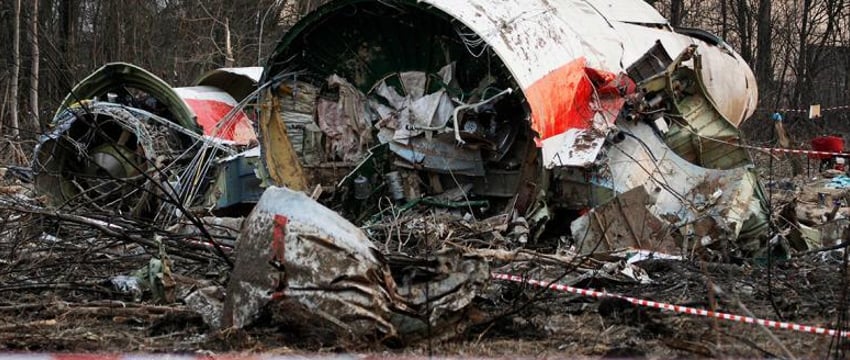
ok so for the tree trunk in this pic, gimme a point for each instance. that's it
(16, 69)
(228, 46)
(36, 56)
(764, 55)
(67, 33)
(800, 94)
(744, 21)
(676, 12)
(724, 21)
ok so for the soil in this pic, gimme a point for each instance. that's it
(55, 297)
(523, 322)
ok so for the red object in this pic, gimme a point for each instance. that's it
(568, 97)
(827, 143)
(210, 106)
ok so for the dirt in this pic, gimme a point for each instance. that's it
(55, 296)
(522, 322)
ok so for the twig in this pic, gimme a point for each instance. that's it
(27, 326)
(767, 331)
(106, 228)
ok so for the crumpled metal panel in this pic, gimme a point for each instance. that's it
(295, 248)
(120, 75)
(238, 82)
(440, 155)
(215, 113)
(536, 37)
(685, 194)
(310, 262)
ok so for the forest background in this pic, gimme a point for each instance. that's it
(798, 49)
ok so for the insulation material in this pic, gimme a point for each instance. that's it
(411, 115)
(299, 96)
(414, 83)
(346, 122)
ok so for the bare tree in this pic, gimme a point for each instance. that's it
(16, 69)
(676, 9)
(34, 69)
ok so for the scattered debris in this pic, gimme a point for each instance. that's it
(385, 185)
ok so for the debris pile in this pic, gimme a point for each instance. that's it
(384, 188)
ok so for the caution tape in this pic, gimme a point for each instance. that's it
(831, 108)
(166, 356)
(674, 308)
(794, 151)
(772, 149)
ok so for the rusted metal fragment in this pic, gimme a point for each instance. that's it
(281, 161)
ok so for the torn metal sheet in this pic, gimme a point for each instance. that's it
(622, 223)
(441, 155)
(216, 113)
(124, 139)
(719, 205)
(700, 134)
(238, 82)
(305, 258)
(573, 148)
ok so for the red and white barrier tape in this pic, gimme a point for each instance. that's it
(674, 308)
(795, 151)
(774, 150)
(165, 356)
(832, 108)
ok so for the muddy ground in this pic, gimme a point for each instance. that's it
(57, 295)
(524, 322)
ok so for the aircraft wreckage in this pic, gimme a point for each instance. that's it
(590, 122)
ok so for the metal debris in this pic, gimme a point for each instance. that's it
(306, 256)
(564, 128)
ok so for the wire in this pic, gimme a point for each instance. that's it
(471, 41)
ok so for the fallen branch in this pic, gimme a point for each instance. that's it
(104, 227)
(27, 326)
